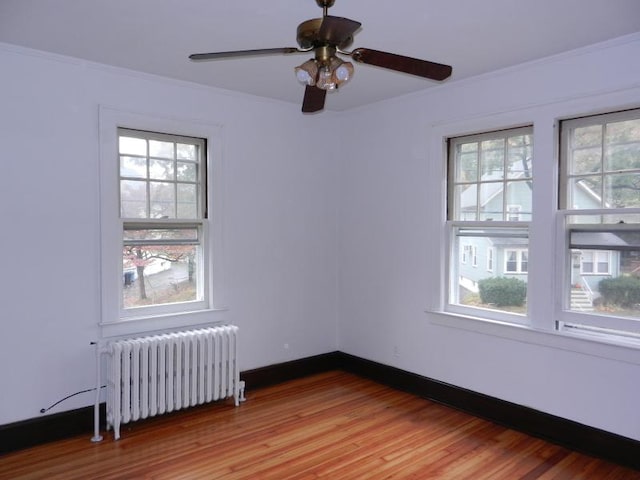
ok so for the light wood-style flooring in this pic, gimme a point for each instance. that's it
(331, 426)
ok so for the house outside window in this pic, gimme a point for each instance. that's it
(489, 208)
(600, 218)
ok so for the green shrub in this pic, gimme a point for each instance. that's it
(503, 291)
(621, 291)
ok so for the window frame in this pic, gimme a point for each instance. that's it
(450, 301)
(595, 263)
(491, 253)
(594, 325)
(113, 321)
(520, 252)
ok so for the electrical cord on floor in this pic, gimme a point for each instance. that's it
(45, 410)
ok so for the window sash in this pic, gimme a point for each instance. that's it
(149, 186)
(182, 228)
(488, 177)
(460, 232)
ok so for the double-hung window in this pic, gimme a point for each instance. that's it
(600, 224)
(162, 211)
(490, 185)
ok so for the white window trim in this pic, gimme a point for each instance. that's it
(595, 262)
(111, 321)
(519, 252)
(543, 314)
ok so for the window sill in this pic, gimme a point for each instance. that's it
(597, 346)
(146, 324)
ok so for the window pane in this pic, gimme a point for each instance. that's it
(590, 136)
(133, 199)
(519, 201)
(161, 169)
(161, 149)
(623, 157)
(622, 132)
(524, 261)
(586, 160)
(162, 200)
(186, 152)
(622, 190)
(133, 167)
(132, 146)
(466, 202)
(491, 203)
(519, 156)
(492, 159)
(467, 163)
(159, 274)
(585, 192)
(512, 261)
(611, 288)
(498, 287)
(187, 201)
(503, 285)
(187, 172)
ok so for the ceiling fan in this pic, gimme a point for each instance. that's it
(327, 37)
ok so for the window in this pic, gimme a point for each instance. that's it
(516, 261)
(465, 253)
(162, 210)
(489, 207)
(490, 254)
(513, 213)
(600, 201)
(160, 188)
(595, 262)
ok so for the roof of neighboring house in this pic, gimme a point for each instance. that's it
(612, 240)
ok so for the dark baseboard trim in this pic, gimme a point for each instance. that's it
(558, 430)
(49, 428)
(283, 372)
(570, 434)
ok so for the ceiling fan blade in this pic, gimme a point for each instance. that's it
(313, 99)
(337, 30)
(400, 63)
(244, 53)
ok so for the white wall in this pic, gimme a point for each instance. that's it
(391, 245)
(279, 232)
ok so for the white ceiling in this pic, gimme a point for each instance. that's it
(156, 36)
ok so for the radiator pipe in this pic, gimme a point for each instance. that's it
(96, 407)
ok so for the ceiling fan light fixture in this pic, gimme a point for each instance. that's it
(326, 79)
(307, 72)
(343, 72)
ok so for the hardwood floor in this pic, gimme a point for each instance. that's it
(333, 426)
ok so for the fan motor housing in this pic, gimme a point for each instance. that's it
(308, 35)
